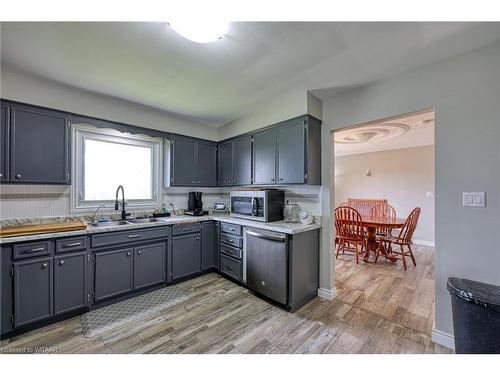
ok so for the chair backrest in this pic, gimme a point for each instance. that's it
(348, 223)
(363, 206)
(383, 210)
(343, 204)
(406, 234)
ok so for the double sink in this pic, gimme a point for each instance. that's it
(114, 223)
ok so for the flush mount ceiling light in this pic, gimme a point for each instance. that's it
(200, 31)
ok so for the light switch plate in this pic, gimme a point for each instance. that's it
(474, 199)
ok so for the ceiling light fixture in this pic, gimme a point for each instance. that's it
(200, 31)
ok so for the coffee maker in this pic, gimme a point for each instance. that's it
(195, 204)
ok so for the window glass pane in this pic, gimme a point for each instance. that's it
(108, 165)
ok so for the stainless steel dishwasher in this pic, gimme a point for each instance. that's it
(266, 263)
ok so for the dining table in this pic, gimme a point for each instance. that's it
(371, 224)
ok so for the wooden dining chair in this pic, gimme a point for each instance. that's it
(363, 206)
(386, 211)
(349, 231)
(404, 238)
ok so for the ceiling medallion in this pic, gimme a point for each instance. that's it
(371, 134)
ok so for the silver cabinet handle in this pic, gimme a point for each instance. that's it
(229, 240)
(193, 182)
(186, 229)
(197, 238)
(44, 265)
(61, 262)
(138, 252)
(1, 174)
(35, 250)
(199, 182)
(230, 229)
(229, 181)
(73, 244)
(134, 236)
(18, 176)
(128, 253)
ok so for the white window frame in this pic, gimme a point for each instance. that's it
(81, 132)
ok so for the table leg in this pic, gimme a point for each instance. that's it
(372, 243)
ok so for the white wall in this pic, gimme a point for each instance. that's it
(31, 90)
(402, 176)
(465, 93)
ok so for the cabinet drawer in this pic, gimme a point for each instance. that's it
(232, 240)
(231, 267)
(228, 250)
(71, 244)
(109, 239)
(32, 249)
(186, 228)
(231, 228)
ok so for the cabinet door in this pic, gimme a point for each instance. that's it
(113, 273)
(33, 291)
(70, 279)
(186, 255)
(207, 164)
(217, 246)
(207, 245)
(226, 164)
(38, 146)
(183, 161)
(5, 289)
(242, 162)
(150, 262)
(4, 144)
(291, 153)
(264, 157)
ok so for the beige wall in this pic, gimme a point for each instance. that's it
(403, 177)
(36, 91)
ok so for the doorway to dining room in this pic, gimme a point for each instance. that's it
(384, 207)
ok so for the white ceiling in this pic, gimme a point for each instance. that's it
(214, 83)
(407, 131)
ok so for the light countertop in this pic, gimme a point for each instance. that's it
(277, 226)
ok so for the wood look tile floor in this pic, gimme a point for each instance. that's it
(379, 309)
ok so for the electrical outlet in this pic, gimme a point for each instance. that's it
(474, 199)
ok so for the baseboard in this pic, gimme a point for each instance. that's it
(328, 294)
(424, 243)
(443, 338)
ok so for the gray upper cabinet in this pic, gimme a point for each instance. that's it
(291, 151)
(288, 153)
(264, 157)
(242, 160)
(207, 164)
(113, 273)
(226, 164)
(150, 265)
(183, 161)
(33, 291)
(186, 255)
(193, 162)
(4, 143)
(70, 280)
(39, 146)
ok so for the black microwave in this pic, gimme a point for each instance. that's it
(262, 205)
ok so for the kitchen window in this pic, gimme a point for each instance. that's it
(106, 158)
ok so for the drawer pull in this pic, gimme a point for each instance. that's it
(35, 250)
(186, 229)
(230, 241)
(230, 229)
(44, 265)
(134, 236)
(61, 262)
(73, 244)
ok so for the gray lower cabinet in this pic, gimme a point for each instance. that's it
(70, 280)
(207, 245)
(150, 262)
(186, 255)
(6, 309)
(39, 146)
(33, 290)
(264, 157)
(113, 273)
(217, 245)
(4, 144)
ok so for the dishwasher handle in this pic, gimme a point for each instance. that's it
(265, 236)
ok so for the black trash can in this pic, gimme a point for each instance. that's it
(476, 316)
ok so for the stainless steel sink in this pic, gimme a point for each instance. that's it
(110, 223)
(143, 220)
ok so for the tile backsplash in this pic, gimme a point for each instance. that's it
(42, 201)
